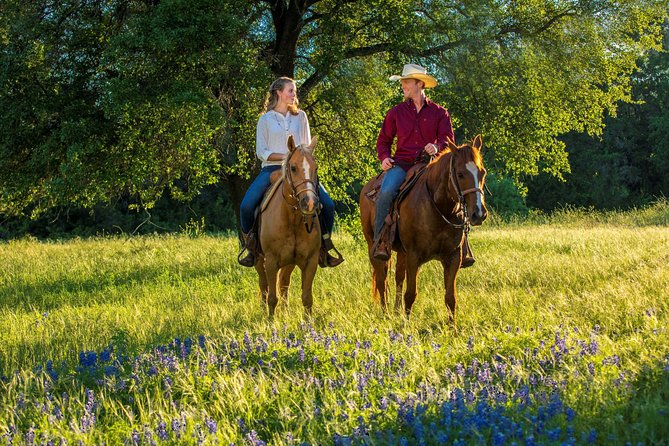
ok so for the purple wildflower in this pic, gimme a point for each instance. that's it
(253, 439)
(30, 435)
(161, 431)
(177, 427)
(211, 424)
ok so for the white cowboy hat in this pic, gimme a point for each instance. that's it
(412, 71)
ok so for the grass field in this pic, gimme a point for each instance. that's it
(562, 338)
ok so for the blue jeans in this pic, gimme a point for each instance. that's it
(254, 195)
(389, 187)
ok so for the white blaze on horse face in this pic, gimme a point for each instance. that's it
(310, 185)
(471, 167)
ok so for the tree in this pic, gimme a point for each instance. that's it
(628, 165)
(137, 97)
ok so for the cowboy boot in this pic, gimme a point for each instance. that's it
(251, 247)
(325, 259)
(467, 255)
(381, 249)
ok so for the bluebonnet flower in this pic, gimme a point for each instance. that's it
(211, 424)
(442, 437)
(611, 360)
(105, 355)
(161, 431)
(87, 359)
(253, 439)
(341, 440)
(135, 438)
(50, 371)
(177, 427)
(30, 435)
(247, 341)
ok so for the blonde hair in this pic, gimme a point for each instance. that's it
(273, 95)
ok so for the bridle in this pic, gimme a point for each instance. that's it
(465, 224)
(295, 194)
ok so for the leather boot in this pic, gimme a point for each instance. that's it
(251, 247)
(467, 255)
(381, 250)
(325, 259)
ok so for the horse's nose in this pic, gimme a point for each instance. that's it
(479, 216)
(309, 204)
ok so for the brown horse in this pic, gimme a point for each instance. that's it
(434, 217)
(290, 233)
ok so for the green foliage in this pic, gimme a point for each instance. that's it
(627, 166)
(506, 197)
(133, 98)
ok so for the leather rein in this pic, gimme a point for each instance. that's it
(295, 195)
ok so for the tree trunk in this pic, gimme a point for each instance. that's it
(288, 23)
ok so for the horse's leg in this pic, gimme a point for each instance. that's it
(379, 280)
(262, 279)
(400, 275)
(308, 274)
(451, 267)
(271, 271)
(284, 281)
(412, 282)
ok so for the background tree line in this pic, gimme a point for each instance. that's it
(117, 110)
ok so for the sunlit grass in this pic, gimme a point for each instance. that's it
(536, 287)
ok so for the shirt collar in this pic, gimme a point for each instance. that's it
(409, 102)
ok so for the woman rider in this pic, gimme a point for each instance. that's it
(282, 118)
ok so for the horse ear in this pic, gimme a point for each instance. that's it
(451, 145)
(312, 146)
(478, 142)
(291, 144)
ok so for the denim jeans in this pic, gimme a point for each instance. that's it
(256, 191)
(389, 187)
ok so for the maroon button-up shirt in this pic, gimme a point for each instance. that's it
(413, 131)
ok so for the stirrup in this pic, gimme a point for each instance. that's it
(249, 260)
(325, 259)
(251, 247)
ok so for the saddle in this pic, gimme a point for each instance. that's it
(276, 179)
(413, 174)
(389, 230)
(275, 182)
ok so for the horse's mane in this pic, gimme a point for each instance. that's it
(466, 150)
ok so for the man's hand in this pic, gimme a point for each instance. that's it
(431, 149)
(387, 163)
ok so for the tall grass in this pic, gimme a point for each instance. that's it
(561, 338)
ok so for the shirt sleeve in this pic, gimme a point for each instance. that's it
(388, 131)
(262, 140)
(305, 131)
(445, 130)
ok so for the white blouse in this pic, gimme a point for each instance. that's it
(273, 130)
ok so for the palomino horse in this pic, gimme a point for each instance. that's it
(290, 233)
(434, 217)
